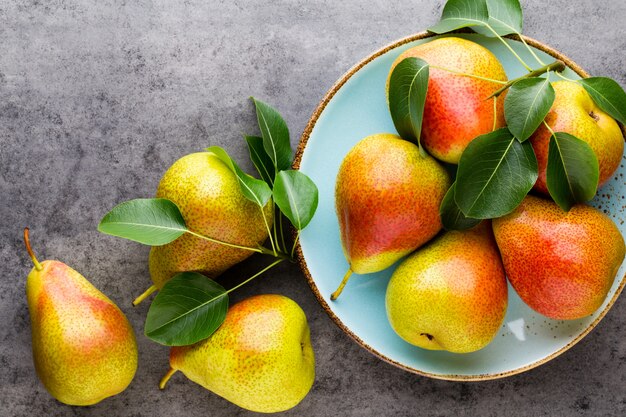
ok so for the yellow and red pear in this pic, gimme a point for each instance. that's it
(387, 199)
(451, 294)
(208, 195)
(260, 358)
(456, 109)
(84, 348)
(574, 112)
(562, 264)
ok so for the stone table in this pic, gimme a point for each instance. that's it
(98, 98)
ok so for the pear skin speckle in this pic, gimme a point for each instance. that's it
(260, 358)
(456, 111)
(387, 200)
(208, 195)
(451, 294)
(84, 348)
(562, 264)
(574, 112)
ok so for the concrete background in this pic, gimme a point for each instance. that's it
(98, 98)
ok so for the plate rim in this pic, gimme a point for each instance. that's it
(304, 138)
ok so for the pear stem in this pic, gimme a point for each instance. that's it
(38, 266)
(144, 295)
(465, 74)
(557, 66)
(338, 291)
(166, 378)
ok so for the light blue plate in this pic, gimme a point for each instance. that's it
(356, 107)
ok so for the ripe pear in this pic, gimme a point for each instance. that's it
(387, 198)
(84, 348)
(208, 195)
(260, 358)
(562, 264)
(574, 112)
(451, 294)
(456, 110)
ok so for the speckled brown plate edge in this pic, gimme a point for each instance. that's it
(300, 256)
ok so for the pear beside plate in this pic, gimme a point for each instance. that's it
(356, 107)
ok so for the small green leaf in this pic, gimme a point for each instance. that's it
(608, 95)
(495, 172)
(572, 173)
(505, 17)
(275, 135)
(261, 160)
(151, 221)
(189, 308)
(253, 189)
(459, 14)
(296, 196)
(408, 86)
(526, 105)
(451, 215)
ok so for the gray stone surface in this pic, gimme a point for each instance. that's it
(98, 98)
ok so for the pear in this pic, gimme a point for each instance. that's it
(260, 358)
(387, 199)
(455, 111)
(562, 264)
(575, 112)
(84, 348)
(208, 195)
(450, 295)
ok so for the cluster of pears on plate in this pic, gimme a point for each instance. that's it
(260, 358)
(451, 293)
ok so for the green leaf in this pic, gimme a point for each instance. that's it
(608, 95)
(408, 86)
(505, 17)
(526, 105)
(495, 172)
(459, 14)
(253, 189)
(275, 135)
(261, 160)
(189, 308)
(451, 215)
(151, 221)
(296, 196)
(572, 173)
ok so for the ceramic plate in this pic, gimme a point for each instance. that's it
(356, 107)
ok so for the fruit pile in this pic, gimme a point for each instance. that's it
(471, 146)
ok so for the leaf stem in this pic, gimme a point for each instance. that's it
(495, 110)
(467, 75)
(557, 66)
(508, 47)
(566, 78)
(295, 242)
(38, 266)
(273, 264)
(267, 227)
(280, 255)
(232, 245)
(552, 134)
(532, 52)
(282, 234)
(274, 228)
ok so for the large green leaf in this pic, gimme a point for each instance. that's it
(189, 308)
(151, 221)
(296, 196)
(495, 172)
(458, 14)
(275, 135)
(526, 105)
(408, 86)
(451, 215)
(572, 173)
(608, 95)
(505, 17)
(261, 160)
(253, 189)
